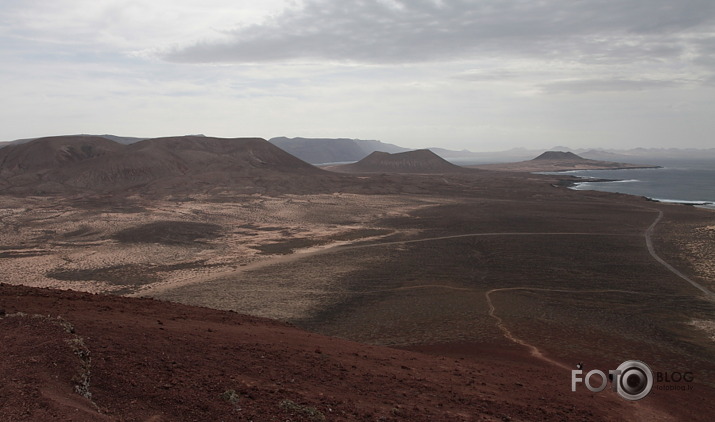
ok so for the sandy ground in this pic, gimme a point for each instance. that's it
(58, 238)
(700, 246)
(691, 243)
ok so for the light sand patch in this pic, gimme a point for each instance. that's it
(203, 275)
(706, 326)
(42, 237)
(700, 246)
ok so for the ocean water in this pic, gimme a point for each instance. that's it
(683, 181)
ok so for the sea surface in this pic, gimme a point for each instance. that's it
(682, 181)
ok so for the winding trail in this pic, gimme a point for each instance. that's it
(535, 351)
(651, 250)
(457, 236)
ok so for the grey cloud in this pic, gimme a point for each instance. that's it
(605, 85)
(706, 53)
(488, 75)
(376, 32)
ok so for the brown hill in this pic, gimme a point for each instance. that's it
(71, 356)
(163, 165)
(190, 162)
(196, 152)
(45, 154)
(419, 161)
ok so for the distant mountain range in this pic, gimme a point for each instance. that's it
(125, 140)
(67, 164)
(325, 150)
(345, 150)
(640, 155)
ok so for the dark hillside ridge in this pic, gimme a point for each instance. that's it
(170, 165)
(228, 154)
(126, 140)
(54, 152)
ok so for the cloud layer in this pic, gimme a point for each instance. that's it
(478, 74)
(414, 31)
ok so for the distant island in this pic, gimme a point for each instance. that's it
(560, 161)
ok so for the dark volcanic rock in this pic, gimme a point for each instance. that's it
(168, 232)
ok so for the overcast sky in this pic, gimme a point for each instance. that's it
(481, 75)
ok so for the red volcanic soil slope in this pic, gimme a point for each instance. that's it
(79, 357)
(419, 161)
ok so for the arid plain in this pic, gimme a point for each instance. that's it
(466, 265)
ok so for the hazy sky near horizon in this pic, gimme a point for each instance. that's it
(481, 75)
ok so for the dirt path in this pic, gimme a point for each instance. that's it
(457, 236)
(651, 250)
(535, 351)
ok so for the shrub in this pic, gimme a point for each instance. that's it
(294, 408)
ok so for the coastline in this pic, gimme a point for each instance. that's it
(568, 170)
(575, 181)
(561, 166)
